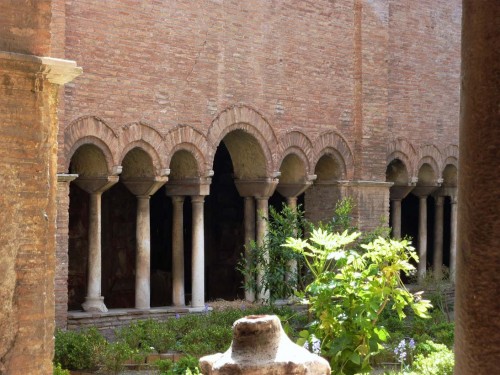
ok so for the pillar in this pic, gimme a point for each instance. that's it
(477, 321)
(438, 238)
(291, 275)
(396, 218)
(249, 213)
(143, 254)
(94, 301)
(262, 217)
(198, 253)
(422, 237)
(178, 296)
(453, 238)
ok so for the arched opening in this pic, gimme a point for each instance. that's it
(88, 161)
(322, 197)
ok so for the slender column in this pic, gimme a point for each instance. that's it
(249, 237)
(94, 301)
(453, 238)
(143, 256)
(262, 217)
(396, 218)
(178, 296)
(198, 261)
(438, 238)
(422, 237)
(291, 275)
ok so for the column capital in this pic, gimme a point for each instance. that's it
(289, 190)
(144, 185)
(189, 186)
(66, 177)
(197, 198)
(96, 185)
(399, 192)
(424, 191)
(177, 198)
(261, 187)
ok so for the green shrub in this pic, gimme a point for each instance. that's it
(58, 370)
(114, 355)
(187, 365)
(78, 350)
(147, 335)
(351, 289)
(439, 360)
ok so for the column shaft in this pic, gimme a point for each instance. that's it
(143, 256)
(249, 237)
(94, 301)
(422, 237)
(438, 239)
(453, 238)
(291, 275)
(178, 294)
(396, 218)
(262, 217)
(198, 261)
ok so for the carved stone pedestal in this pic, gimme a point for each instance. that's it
(259, 347)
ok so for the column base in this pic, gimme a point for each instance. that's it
(94, 304)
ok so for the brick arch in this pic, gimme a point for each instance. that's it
(298, 143)
(91, 130)
(247, 119)
(333, 143)
(402, 149)
(144, 136)
(450, 156)
(197, 154)
(431, 155)
(192, 140)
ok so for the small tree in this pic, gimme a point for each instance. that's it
(351, 288)
(278, 277)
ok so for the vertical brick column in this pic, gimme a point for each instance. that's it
(62, 237)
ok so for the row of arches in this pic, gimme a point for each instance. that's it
(162, 219)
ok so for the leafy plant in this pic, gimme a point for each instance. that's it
(114, 355)
(279, 278)
(78, 350)
(351, 289)
(186, 365)
(58, 370)
(438, 361)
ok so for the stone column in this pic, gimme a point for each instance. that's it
(477, 333)
(438, 238)
(198, 253)
(95, 186)
(291, 275)
(422, 237)
(396, 218)
(143, 254)
(262, 217)
(249, 237)
(143, 188)
(178, 294)
(453, 238)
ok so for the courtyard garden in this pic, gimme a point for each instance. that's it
(350, 307)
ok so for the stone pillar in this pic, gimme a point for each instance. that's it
(453, 238)
(178, 293)
(477, 330)
(143, 188)
(422, 237)
(291, 275)
(396, 218)
(143, 254)
(198, 253)
(438, 238)
(95, 186)
(249, 237)
(62, 238)
(262, 217)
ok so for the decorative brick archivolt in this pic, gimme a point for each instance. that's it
(333, 144)
(248, 120)
(401, 149)
(185, 137)
(429, 154)
(450, 156)
(296, 143)
(91, 130)
(188, 171)
(145, 137)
